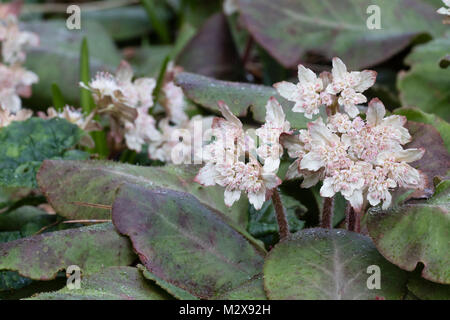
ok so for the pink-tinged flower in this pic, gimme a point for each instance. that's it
(397, 167)
(6, 117)
(238, 177)
(349, 182)
(14, 41)
(378, 135)
(141, 131)
(306, 93)
(327, 150)
(378, 186)
(350, 86)
(225, 158)
(119, 91)
(360, 159)
(74, 116)
(180, 143)
(14, 82)
(175, 102)
(270, 150)
(444, 10)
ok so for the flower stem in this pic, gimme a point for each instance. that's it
(326, 220)
(352, 219)
(280, 214)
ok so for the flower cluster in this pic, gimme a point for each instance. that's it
(235, 161)
(340, 87)
(128, 103)
(361, 159)
(15, 81)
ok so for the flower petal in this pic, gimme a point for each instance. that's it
(375, 112)
(286, 89)
(231, 197)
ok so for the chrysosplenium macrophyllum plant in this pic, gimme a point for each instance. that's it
(361, 157)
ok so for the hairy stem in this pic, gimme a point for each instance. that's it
(281, 215)
(352, 219)
(326, 220)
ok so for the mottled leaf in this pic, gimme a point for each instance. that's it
(40, 257)
(290, 29)
(416, 115)
(184, 242)
(212, 51)
(436, 159)
(25, 144)
(426, 85)
(250, 290)
(240, 97)
(416, 232)
(11, 280)
(329, 264)
(175, 291)
(69, 185)
(427, 290)
(113, 283)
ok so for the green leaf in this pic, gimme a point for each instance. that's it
(212, 51)
(25, 144)
(184, 242)
(263, 223)
(56, 60)
(416, 115)
(158, 25)
(10, 280)
(91, 248)
(178, 293)
(240, 97)
(250, 290)
(87, 101)
(329, 264)
(416, 232)
(426, 84)
(26, 219)
(66, 184)
(161, 75)
(427, 290)
(113, 283)
(290, 29)
(58, 99)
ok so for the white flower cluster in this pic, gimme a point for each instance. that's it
(129, 103)
(234, 161)
(341, 86)
(360, 159)
(363, 159)
(15, 81)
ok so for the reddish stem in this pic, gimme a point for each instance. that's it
(352, 219)
(283, 225)
(326, 220)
